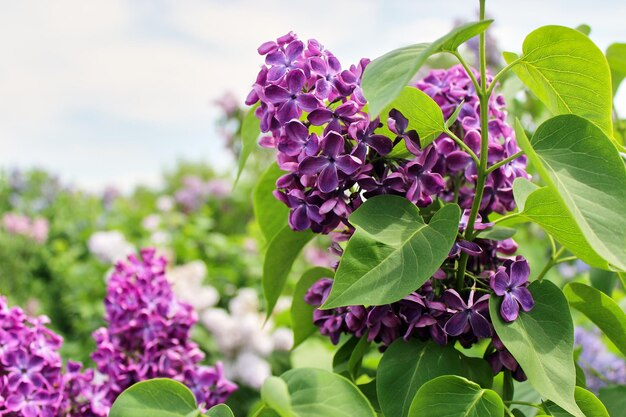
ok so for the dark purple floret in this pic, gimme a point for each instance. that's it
(510, 282)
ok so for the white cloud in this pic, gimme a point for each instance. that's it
(89, 88)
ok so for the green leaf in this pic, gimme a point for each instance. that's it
(543, 207)
(601, 310)
(275, 394)
(386, 76)
(453, 396)
(392, 252)
(250, 131)
(497, 233)
(568, 73)
(614, 398)
(589, 404)
(423, 114)
(616, 56)
(406, 366)
(315, 393)
(220, 410)
(156, 397)
(301, 312)
(281, 253)
(349, 357)
(271, 214)
(542, 341)
(602, 280)
(584, 29)
(587, 177)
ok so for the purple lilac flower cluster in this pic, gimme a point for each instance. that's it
(148, 336)
(333, 152)
(31, 378)
(335, 156)
(601, 367)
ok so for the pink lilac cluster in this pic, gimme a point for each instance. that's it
(147, 336)
(35, 229)
(195, 192)
(31, 378)
(335, 156)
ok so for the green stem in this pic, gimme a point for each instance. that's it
(504, 162)
(566, 259)
(550, 263)
(463, 145)
(508, 412)
(526, 403)
(500, 74)
(503, 218)
(469, 71)
(484, 149)
(507, 386)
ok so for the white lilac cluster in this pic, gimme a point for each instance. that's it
(245, 339)
(110, 246)
(188, 284)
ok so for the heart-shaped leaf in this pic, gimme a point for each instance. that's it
(453, 396)
(220, 410)
(271, 215)
(568, 73)
(542, 341)
(392, 252)
(315, 392)
(156, 397)
(587, 177)
(590, 405)
(614, 398)
(543, 207)
(386, 76)
(280, 255)
(600, 309)
(301, 312)
(406, 366)
(423, 114)
(250, 131)
(616, 56)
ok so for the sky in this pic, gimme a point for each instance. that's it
(111, 92)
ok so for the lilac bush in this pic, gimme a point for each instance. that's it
(147, 336)
(335, 156)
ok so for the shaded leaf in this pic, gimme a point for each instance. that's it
(601, 310)
(616, 56)
(453, 396)
(386, 76)
(586, 175)
(406, 366)
(590, 405)
(156, 397)
(279, 258)
(220, 410)
(392, 252)
(542, 341)
(250, 131)
(614, 398)
(271, 214)
(301, 312)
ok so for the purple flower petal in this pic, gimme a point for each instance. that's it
(499, 282)
(454, 300)
(525, 298)
(319, 117)
(332, 144)
(295, 81)
(519, 272)
(312, 165)
(328, 180)
(457, 324)
(480, 325)
(348, 164)
(276, 94)
(509, 310)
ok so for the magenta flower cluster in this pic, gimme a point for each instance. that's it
(31, 379)
(147, 336)
(335, 156)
